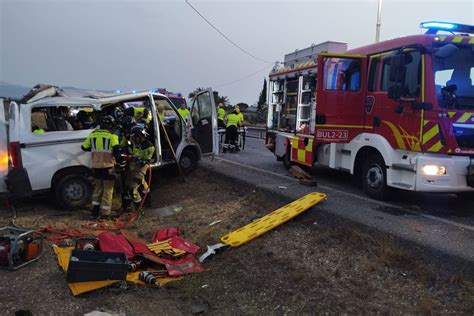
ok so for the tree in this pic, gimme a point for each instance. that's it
(262, 99)
(242, 106)
(196, 91)
(262, 103)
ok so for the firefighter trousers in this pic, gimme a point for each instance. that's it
(134, 179)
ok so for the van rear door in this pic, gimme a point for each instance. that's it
(3, 147)
(204, 119)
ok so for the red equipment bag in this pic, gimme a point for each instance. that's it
(186, 265)
(183, 244)
(165, 233)
(109, 242)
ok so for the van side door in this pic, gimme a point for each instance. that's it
(341, 91)
(204, 120)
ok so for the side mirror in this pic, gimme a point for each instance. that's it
(446, 51)
(395, 92)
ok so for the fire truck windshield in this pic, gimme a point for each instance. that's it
(454, 78)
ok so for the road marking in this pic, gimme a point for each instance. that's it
(366, 199)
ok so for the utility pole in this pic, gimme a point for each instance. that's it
(379, 22)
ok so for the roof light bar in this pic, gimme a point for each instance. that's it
(435, 26)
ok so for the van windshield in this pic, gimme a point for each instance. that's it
(454, 77)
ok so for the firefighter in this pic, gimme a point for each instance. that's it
(231, 133)
(220, 116)
(142, 151)
(105, 149)
(161, 112)
(183, 111)
(139, 113)
(240, 115)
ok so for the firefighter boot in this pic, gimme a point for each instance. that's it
(95, 212)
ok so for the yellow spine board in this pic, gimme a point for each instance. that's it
(272, 220)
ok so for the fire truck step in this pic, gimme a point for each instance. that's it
(272, 220)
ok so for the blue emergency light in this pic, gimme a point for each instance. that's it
(435, 26)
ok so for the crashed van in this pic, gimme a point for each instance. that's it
(41, 137)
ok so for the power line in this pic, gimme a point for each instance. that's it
(225, 36)
(243, 78)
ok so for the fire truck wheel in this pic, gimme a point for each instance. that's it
(374, 178)
(73, 191)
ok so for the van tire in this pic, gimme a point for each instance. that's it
(73, 191)
(188, 161)
(286, 161)
(469, 196)
(374, 177)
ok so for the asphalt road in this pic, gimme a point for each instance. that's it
(441, 226)
(444, 206)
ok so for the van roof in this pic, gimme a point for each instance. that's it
(56, 101)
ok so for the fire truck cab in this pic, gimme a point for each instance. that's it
(399, 113)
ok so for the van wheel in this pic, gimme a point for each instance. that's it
(469, 196)
(374, 178)
(73, 191)
(187, 161)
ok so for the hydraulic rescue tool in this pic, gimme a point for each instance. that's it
(264, 224)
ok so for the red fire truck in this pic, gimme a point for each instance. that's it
(398, 113)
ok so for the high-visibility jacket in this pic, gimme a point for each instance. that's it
(183, 112)
(139, 112)
(143, 151)
(233, 119)
(38, 131)
(241, 117)
(220, 114)
(104, 145)
(161, 115)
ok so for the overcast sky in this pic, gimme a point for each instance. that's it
(127, 45)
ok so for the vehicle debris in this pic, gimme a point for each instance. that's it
(215, 222)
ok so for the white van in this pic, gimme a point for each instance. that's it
(43, 137)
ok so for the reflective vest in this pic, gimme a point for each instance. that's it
(241, 117)
(138, 113)
(101, 143)
(38, 131)
(143, 151)
(184, 113)
(161, 115)
(233, 119)
(220, 114)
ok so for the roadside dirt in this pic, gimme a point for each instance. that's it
(304, 266)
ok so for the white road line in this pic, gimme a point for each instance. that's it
(366, 199)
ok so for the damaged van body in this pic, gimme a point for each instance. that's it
(45, 132)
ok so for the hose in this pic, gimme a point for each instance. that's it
(123, 220)
(120, 223)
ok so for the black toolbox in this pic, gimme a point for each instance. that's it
(96, 266)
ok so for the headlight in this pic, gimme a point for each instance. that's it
(434, 170)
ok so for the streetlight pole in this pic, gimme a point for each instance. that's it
(379, 22)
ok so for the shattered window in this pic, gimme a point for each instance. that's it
(62, 118)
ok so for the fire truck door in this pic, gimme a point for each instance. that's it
(341, 91)
(395, 115)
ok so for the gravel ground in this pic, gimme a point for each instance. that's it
(304, 266)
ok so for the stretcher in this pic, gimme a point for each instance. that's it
(264, 224)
